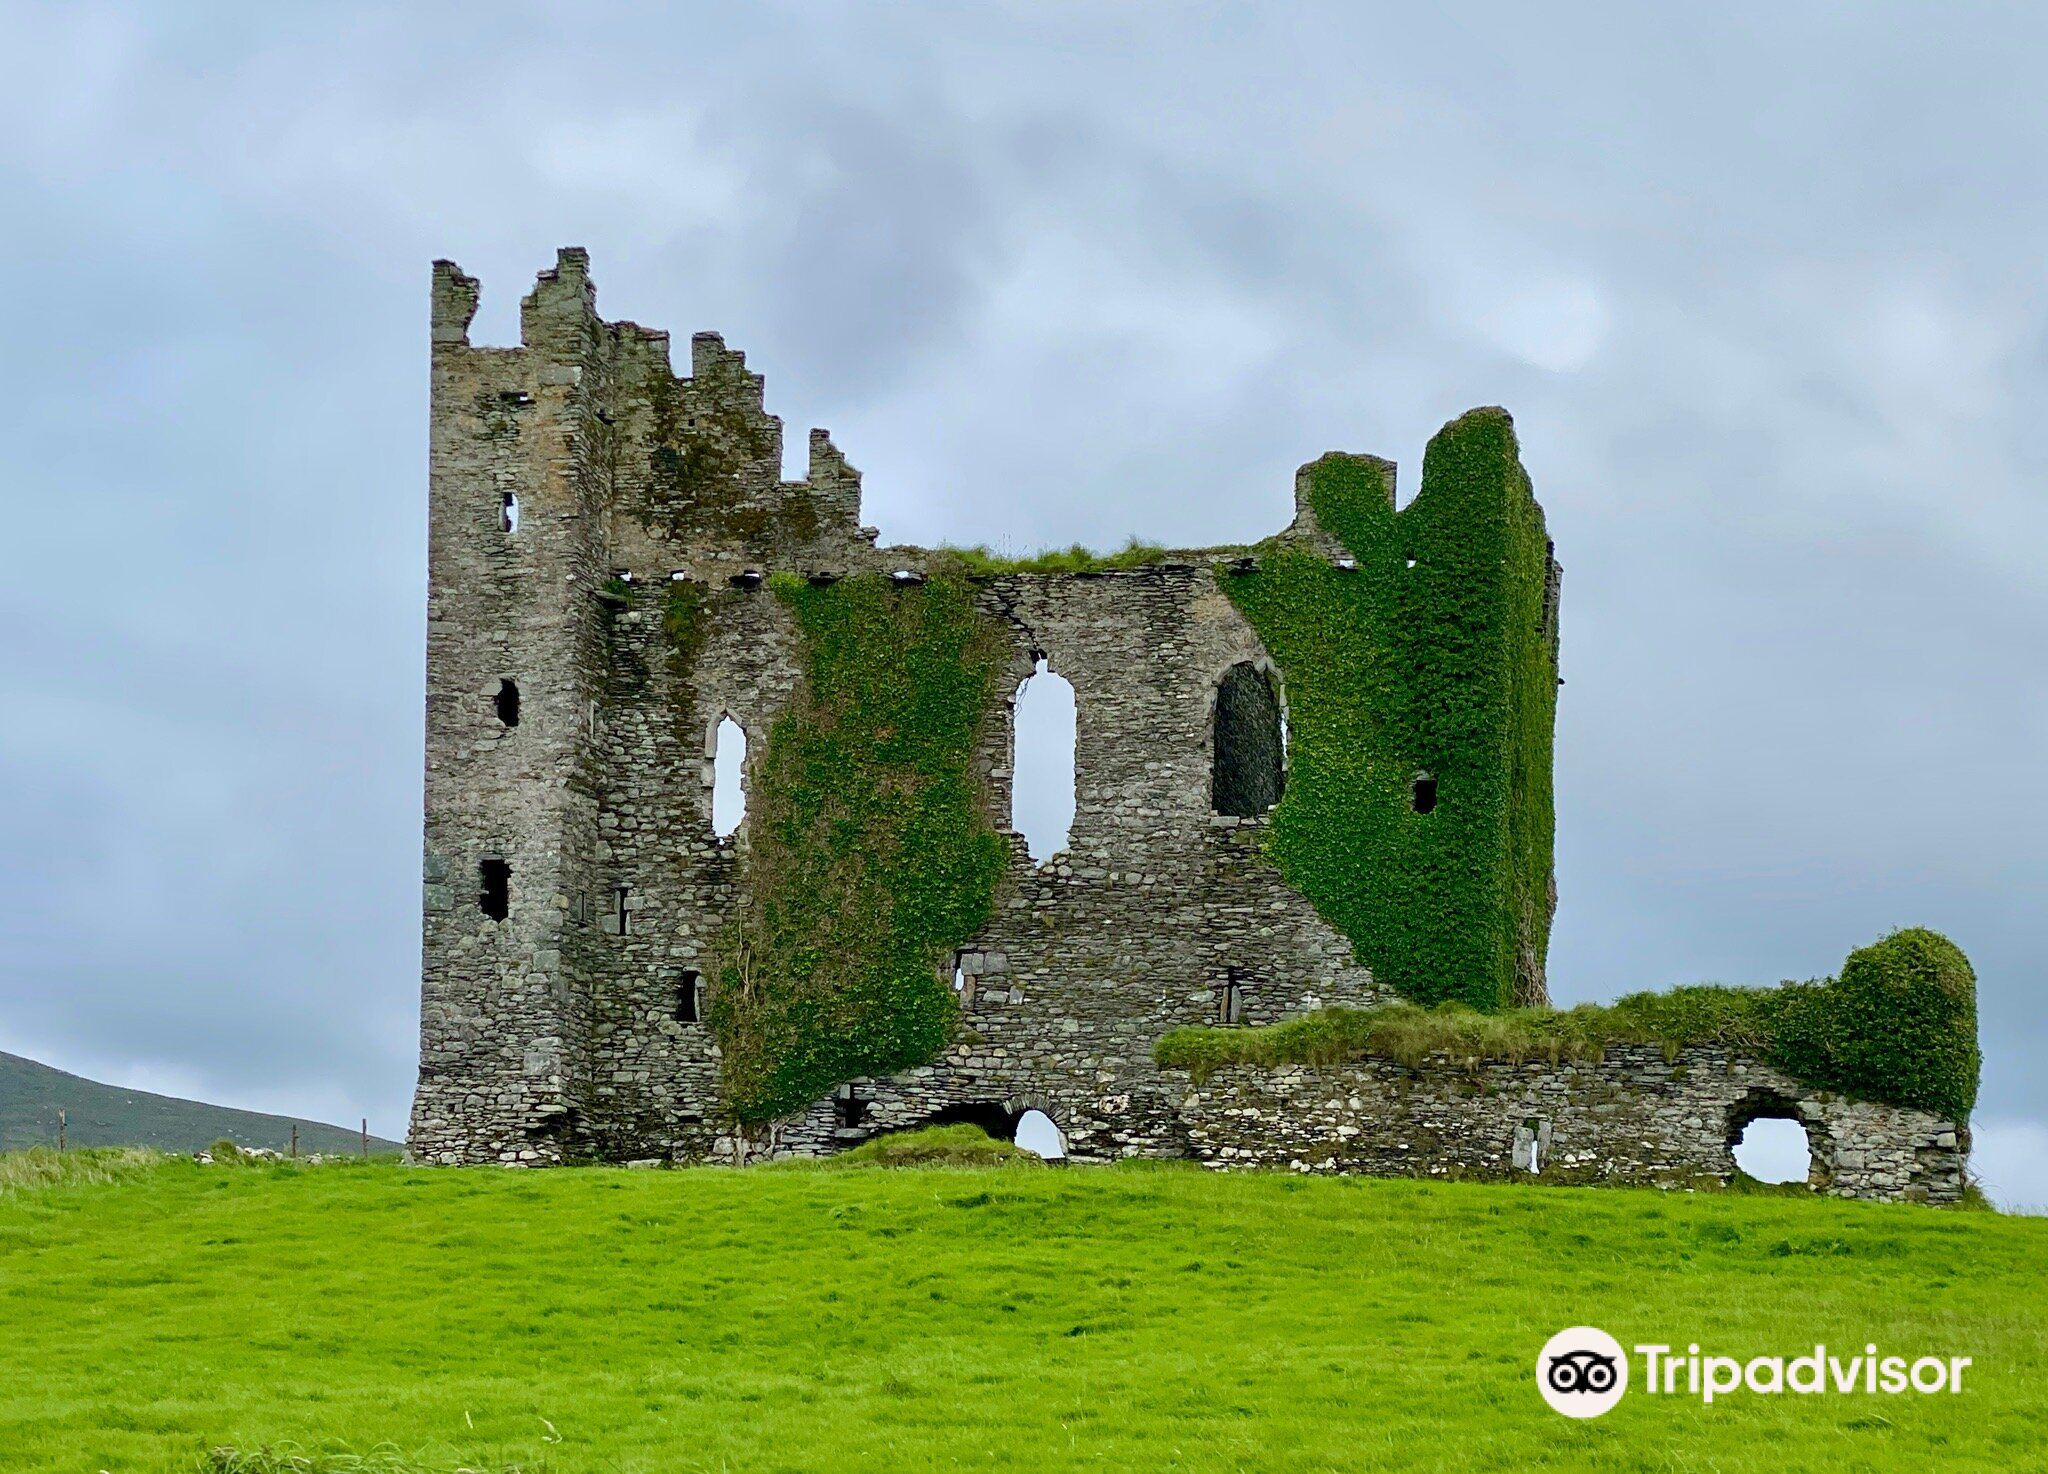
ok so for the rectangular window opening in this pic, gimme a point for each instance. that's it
(849, 1108)
(1230, 999)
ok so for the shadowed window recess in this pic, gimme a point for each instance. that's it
(495, 898)
(1250, 758)
(1422, 793)
(507, 702)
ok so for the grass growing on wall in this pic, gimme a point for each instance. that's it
(978, 560)
(1441, 668)
(1898, 1025)
(870, 850)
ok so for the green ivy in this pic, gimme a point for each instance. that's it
(871, 854)
(1436, 656)
(1899, 1025)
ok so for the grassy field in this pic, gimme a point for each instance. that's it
(1007, 1317)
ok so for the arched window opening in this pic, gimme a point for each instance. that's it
(1422, 793)
(728, 778)
(495, 898)
(1774, 1149)
(1037, 1133)
(508, 512)
(507, 702)
(1532, 1145)
(1250, 759)
(1042, 781)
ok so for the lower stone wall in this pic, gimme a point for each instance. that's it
(1633, 1117)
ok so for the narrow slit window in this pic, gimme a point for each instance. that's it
(1532, 1145)
(1042, 798)
(507, 702)
(622, 909)
(495, 898)
(1422, 793)
(1230, 1001)
(728, 778)
(508, 512)
(687, 985)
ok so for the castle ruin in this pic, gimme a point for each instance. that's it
(618, 572)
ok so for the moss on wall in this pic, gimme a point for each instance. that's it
(1435, 656)
(1899, 1025)
(871, 854)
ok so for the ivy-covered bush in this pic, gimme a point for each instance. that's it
(1433, 658)
(871, 854)
(1899, 1025)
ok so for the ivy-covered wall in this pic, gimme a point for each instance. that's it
(1434, 659)
(871, 851)
(1899, 1026)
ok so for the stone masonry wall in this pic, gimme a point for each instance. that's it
(1632, 1117)
(564, 1029)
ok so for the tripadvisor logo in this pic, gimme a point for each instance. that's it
(1582, 1372)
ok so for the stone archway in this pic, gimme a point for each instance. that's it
(1763, 1104)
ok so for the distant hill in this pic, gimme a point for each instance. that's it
(106, 1115)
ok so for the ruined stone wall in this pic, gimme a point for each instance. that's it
(630, 608)
(504, 1001)
(557, 1029)
(1633, 1117)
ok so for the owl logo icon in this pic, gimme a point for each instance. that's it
(1582, 1372)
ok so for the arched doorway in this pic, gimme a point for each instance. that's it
(1771, 1141)
(1037, 1133)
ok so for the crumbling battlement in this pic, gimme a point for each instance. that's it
(617, 567)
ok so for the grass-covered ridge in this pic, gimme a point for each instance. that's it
(870, 851)
(1434, 656)
(1898, 1025)
(978, 561)
(932, 1146)
(610, 1321)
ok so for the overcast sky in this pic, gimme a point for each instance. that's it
(1760, 284)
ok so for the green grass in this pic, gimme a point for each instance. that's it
(1858, 1033)
(934, 1146)
(1408, 1033)
(981, 1319)
(978, 562)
